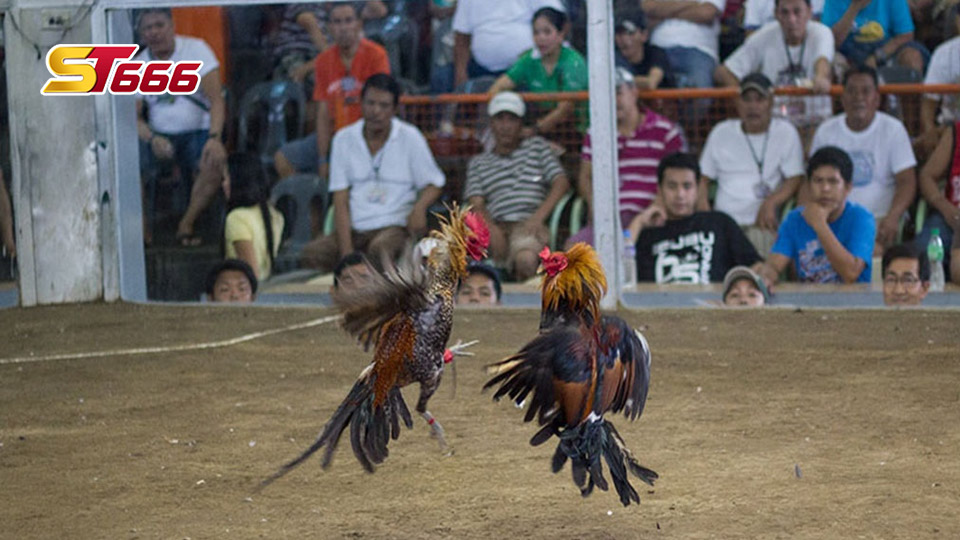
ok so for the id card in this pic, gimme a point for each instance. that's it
(376, 194)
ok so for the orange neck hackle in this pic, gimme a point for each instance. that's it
(573, 280)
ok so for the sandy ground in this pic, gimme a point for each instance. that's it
(762, 424)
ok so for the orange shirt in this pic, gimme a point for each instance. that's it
(341, 90)
(206, 23)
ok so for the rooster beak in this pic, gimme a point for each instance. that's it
(540, 270)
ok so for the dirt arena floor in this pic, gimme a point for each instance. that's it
(762, 424)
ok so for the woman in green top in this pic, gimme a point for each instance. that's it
(551, 66)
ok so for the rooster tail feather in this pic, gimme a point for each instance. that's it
(543, 434)
(330, 436)
(371, 428)
(579, 471)
(357, 445)
(648, 476)
(588, 446)
(400, 406)
(620, 459)
(559, 459)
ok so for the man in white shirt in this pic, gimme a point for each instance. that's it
(515, 187)
(793, 51)
(944, 68)
(489, 35)
(184, 129)
(383, 179)
(757, 162)
(688, 30)
(884, 180)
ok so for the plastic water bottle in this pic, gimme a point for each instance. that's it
(629, 261)
(935, 254)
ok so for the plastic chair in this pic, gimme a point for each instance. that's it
(274, 96)
(555, 219)
(577, 212)
(328, 222)
(921, 216)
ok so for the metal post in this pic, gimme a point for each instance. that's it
(606, 220)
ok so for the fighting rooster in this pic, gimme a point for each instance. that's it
(581, 365)
(406, 315)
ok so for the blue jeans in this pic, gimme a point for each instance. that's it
(935, 220)
(692, 68)
(857, 53)
(476, 69)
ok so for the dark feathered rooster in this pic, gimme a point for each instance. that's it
(406, 316)
(581, 366)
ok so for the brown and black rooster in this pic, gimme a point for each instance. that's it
(406, 316)
(581, 366)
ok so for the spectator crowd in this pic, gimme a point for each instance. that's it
(789, 187)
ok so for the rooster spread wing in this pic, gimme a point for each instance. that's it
(557, 367)
(626, 368)
(570, 372)
(386, 298)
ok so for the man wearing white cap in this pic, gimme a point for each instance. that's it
(515, 186)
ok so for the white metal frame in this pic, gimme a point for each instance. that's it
(124, 270)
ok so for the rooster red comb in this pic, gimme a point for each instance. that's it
(477, 242)
(575, 279)
(553, 263)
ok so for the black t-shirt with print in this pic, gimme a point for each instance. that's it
(696, 249)
(653, 56)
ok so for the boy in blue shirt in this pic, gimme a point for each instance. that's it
(830, 240)
(874, 32)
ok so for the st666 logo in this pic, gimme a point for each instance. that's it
(81, 70)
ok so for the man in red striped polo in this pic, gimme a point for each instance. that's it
(643, 139)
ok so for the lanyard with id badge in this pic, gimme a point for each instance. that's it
(793, 107)
(376, 193)
(760, 190)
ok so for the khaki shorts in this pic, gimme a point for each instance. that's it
(519, 240)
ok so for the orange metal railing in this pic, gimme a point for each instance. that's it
(456, 125)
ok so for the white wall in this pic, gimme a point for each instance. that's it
(55, 187)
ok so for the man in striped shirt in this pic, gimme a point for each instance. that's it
(643, 139)
(515, 187)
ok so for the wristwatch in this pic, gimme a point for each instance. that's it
(214, 135)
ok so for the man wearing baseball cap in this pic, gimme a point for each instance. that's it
(756, 161)
(515, 186)
(648, 63)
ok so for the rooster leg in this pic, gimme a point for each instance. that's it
(436, 430)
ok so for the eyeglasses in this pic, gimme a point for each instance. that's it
(907, 280)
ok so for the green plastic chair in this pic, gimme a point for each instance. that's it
(555, 219)
(921, 216)
(328, 222)
(576, 215)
